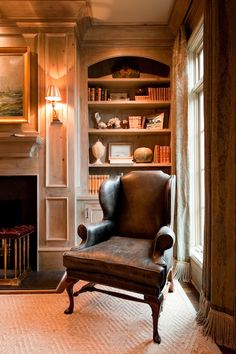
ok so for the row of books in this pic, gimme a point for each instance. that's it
(153, 94)
(162, 154)
(94, 183)
(159, 93)
(98, 94)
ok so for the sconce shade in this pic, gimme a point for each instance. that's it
(53, 93)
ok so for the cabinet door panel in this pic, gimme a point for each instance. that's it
(92, 213)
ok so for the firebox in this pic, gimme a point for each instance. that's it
(18, 206)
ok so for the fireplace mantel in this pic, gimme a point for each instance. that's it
(18, 145)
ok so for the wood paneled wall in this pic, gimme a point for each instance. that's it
(58, 66)
(53, 61)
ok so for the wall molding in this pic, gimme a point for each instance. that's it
(56, 69)
(127, 35)
(57, 218)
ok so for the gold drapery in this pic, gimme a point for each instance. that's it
(218, 299)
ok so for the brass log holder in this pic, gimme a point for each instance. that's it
(19, 245)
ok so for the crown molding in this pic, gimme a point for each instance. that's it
(46, 26)
(125, 35)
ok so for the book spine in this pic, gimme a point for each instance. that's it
(156, 158)
(94, 183)
(161, 154)
(89, 184)
(89, 93)
(165, 154)
(92, 93)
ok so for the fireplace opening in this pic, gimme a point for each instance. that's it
(18, 206)
(10, 211)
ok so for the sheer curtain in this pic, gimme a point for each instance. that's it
(218, 297)
(179, 114)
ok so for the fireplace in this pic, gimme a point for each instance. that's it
(18, 206)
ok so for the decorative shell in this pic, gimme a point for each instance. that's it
(143, 154)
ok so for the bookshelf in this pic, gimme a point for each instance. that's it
(146, 96)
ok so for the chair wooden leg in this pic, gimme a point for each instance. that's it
(171, 280)
(156, 304)
(63, 284)
(69, 290)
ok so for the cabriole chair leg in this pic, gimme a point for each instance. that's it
(156, 304)
(69, 290)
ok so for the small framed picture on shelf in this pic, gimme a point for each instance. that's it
(119, 96)
(155, 121)
(120, 153)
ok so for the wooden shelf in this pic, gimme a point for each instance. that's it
(87, 197)
(129, 104)
(127, 83)
(129, 131)
(135, 165)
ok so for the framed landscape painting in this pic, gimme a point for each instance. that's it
(14, 84)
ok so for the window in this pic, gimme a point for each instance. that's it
(196, 135)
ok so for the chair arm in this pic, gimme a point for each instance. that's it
(164, 240)
(95, 233)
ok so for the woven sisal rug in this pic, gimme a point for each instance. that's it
(100, 324)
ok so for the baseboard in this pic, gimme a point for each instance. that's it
(51, 260)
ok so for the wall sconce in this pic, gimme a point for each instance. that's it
(53, 95)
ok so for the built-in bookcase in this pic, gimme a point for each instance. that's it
(130, 99)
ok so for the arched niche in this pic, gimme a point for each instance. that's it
(146, 67)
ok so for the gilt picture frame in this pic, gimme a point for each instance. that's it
(14, 85)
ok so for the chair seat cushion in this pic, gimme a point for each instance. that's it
(122, 257)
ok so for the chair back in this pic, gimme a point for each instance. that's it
(143, 204)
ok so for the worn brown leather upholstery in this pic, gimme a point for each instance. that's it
(131, 249)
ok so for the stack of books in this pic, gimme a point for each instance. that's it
(159, 93)
(142, 98)
(162, 154)
(135, 122)
(94, 183)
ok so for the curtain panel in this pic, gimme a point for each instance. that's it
(179, 114)
(218, 296)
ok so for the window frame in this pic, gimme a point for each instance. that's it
(197, 200)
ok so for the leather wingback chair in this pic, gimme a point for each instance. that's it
(131, 248)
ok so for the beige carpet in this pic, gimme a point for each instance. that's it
(100, 324)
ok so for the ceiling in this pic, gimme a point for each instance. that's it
(130, 22)
(40, 9)
(131, 11)
(101, 11)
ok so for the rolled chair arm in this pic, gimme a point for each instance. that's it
(95, 233)
(164, 240)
